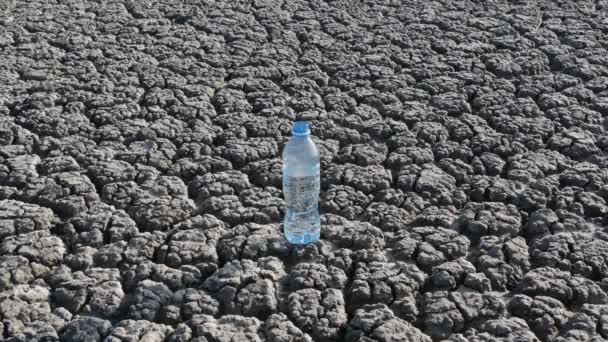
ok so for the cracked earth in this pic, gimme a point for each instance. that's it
(464, 160)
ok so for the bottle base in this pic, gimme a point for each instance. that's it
(302, 239)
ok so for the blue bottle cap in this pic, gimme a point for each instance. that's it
(300, 128)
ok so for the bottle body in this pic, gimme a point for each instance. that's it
(301, 186)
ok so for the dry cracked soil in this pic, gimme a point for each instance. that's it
(464, 170)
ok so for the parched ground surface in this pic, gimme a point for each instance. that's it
(464, 167)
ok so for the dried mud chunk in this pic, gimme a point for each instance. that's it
(593, 205)
(494, 189)
(279, 328)
(456, 168)
(503, 66)
(195, 302)
(551, 250)
(403, 156)
(19, 170)
(246, 286)
(252, 241)
(172, 278)
(321, 313)
(530, 200)
(362, 154)
(271, 127)
(544, 315)
(480, 219)
(344, 201)
(182, 333)
(227, 328)
(160, 213)
(453, 103)
(105, 299)
(492, 163)
(503, 260)
(541, 221)
(476, 307)
(112, 171)
(138, 330)
(454, 150)
(120, 194)
(388, 217)
(354, 235)
(450, 274)
(268, 202)
(266, 172)
(98, 225)
(218, 184)
(168, 127)
(575, 143)
(16, 270)
(401, 139)
(156, 204)
(441, 315)
(189, 247)
(584, 175)
(575, 116)
(430, 132)
(192, 146)
(23, 305)
(157, 185)
(478, 282)
(38, 246)
(58, 164)
(328, 149)
(446, 313)
(593, 253)
(241, 153)
(158, 154)
(587, 292)
(378, 128)
(109, 255)
(366, 179)
(148, 300)
(144, 246)
(317, 276)
(231, 100)
(85, 328)
(67, 193)
(428, 181)
(551, 282)
(93, 291)
(429, 246)
(19, 218)
(36, 330)
(579, 325)
(503, 329)
(378, 323)
(189, 168)
(598, 314)
(547, 281)
(229, 209)
(395, 284)
(432, 215)
(339, 101)
(555, 100)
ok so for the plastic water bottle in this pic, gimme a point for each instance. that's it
(301, 185)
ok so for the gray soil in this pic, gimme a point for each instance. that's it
(464, 170)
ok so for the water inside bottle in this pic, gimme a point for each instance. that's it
(302, 222)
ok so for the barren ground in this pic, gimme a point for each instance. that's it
(464, 166)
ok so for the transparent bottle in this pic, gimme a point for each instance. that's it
(301, 185)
